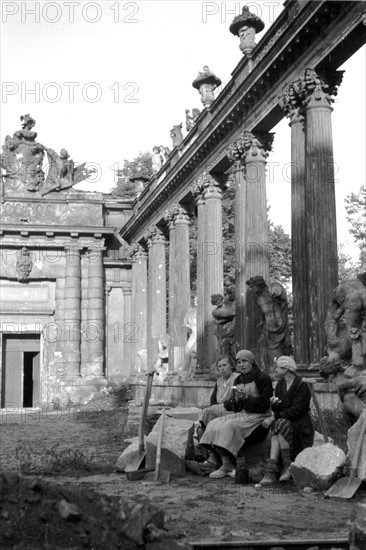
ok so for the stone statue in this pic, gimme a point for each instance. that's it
(275, 338)
(22, 158)
(176, 135)
(62, 173)
(23, 265)
(345, 327)
(22, 161)
(165, 152)
(191, 119)
(224, 317)
(162, 363)
(157, 159)
(187, 370)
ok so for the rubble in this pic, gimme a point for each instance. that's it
(318, 467)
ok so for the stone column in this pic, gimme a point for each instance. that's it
(292, 105)
(249, 154)
(156, 297)
(179, 267)
(213, 270)
(59, 314)
(129, 330)
(139, 299)
(94, 330)
(321, 207)
(172, 289)
(197, 191)
(72, 311)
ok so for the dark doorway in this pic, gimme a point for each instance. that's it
(29, 378)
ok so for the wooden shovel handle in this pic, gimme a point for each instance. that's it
(359, 442)
(320, 414)
(158, 449)
(145, 407)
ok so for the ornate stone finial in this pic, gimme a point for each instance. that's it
(191, 119)
(206, 83)
(141, 178)
(176, 134)
(250, 147)
(23, 265)
(246, 26)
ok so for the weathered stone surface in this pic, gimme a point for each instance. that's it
(353, 434)
(318, 467)
(126, 456)
(184, 413)
(177, 445)
(139, 517)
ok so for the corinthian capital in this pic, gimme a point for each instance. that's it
(176, 214)
(154, 235)
(136, 252)
(320, 86)
(250, 147)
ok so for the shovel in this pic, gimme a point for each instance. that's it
(134, 467)
(347, 486)
(323, 426)
(158, 476)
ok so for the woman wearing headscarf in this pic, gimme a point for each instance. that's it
(292, 429)
(246, 409)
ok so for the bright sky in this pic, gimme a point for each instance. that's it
(108, 79)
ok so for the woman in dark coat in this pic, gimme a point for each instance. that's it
(292, 430)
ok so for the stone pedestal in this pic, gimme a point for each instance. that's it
(249, 154)
(156, 310)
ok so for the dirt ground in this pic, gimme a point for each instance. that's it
(78, 450)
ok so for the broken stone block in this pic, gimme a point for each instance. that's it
(177, 445)
(352, 437)
(127, 455)
(318, 467)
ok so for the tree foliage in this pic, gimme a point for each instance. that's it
(356, 215)
(142, 164)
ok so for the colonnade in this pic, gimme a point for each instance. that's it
(307, 102)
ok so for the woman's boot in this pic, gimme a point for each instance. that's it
(270, 473)
(286, 461)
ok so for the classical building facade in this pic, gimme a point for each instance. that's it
(84, 294)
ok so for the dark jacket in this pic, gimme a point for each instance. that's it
(295, 406)
(250, 403)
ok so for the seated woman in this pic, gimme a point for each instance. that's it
(292, 429)
(247, 408)
(221, 392)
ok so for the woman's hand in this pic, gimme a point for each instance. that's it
(240, 390)
(274, 401)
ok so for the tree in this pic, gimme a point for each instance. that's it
(140, 165)
(356, 215)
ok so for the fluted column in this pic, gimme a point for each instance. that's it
(179, 262)
(72, 311)
(198, 192)
(94, 331)
(321, 207)
(139, 299)
(59, 315)
(292, 105)
(156, 309)
(129, 331)
(249, 154)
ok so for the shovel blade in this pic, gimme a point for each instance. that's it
(343, 488)
(154, 478)
(137, 461)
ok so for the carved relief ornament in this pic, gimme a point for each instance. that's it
(154, 235)
(176, 214)
(250, 147)
(23, 264)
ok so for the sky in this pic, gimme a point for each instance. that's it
(108, 79)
